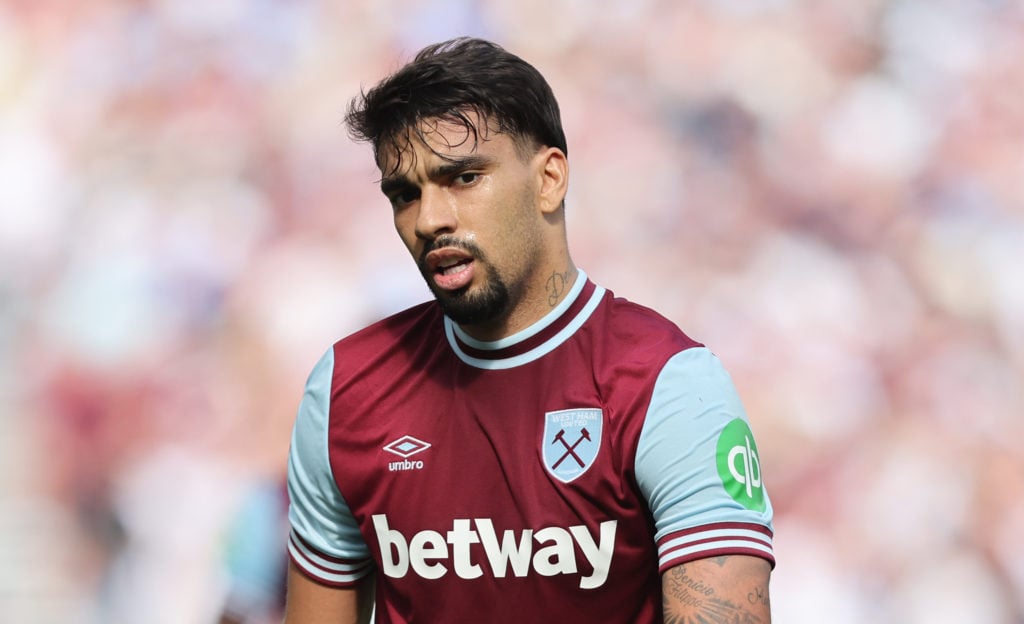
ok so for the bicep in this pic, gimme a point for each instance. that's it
(309, 602)
(697, 466)
(718, 589)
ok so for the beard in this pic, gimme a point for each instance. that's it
(489, 301)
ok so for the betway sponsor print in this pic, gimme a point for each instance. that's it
(472, 548)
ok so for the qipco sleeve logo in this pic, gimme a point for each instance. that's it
(739, 465)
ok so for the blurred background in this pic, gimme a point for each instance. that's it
(830, 194)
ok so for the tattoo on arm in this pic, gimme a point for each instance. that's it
(702, 605)
(556, 286)
(759, 595)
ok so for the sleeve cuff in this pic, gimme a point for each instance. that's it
(715, 540)
(325, 569)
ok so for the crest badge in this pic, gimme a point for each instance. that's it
(572, 438)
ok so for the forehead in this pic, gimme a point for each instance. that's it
(443, 138)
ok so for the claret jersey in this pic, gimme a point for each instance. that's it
(550, 476)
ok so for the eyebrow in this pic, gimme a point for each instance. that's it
(448, 168)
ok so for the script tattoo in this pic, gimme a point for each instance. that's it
(759, 595)
(689, 601)
(556, 286)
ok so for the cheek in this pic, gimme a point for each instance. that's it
(521, 230)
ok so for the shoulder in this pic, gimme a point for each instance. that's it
(634, 332)
(393, 336)
(393, 327)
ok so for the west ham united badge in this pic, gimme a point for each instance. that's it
(572, 438)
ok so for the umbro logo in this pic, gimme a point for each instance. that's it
(405, 447)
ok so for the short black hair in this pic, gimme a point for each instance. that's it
(451, 81)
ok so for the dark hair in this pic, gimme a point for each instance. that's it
(453, 80)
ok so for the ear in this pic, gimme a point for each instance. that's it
(554, 178)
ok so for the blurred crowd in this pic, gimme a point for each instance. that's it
(830, 194)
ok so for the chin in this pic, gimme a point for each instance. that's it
(473, 309)
(474, 304)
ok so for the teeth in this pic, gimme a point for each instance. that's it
(447, 269)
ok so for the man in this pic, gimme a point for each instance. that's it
(526, 448)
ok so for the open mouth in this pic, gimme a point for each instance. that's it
(451, 268)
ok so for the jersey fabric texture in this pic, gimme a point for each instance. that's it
(550, 476)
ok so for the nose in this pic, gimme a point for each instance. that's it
(437, 214)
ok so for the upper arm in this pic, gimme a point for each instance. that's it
(719, 589)
(325, 543)
(325, 540)
(309, 602)
(698, 467)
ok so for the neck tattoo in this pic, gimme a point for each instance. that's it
(555, 286)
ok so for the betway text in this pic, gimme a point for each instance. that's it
(548, 551)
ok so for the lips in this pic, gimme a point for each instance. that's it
(450, 268)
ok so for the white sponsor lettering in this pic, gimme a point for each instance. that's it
(508, 552)
(558, 557)
(751, 476)
(598, 554)
(429, 553)
(427, 545)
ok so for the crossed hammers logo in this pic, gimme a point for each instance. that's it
(570, 449)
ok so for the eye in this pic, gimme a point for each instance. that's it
(467, 178)
(404, 197)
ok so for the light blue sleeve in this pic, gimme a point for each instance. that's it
(325, 541)
(698, 467)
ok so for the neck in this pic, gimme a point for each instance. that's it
(536, 301)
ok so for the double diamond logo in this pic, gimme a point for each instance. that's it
(407, 446)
